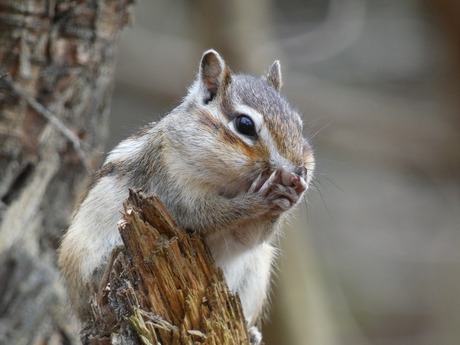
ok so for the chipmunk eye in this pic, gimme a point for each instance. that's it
(245, 126)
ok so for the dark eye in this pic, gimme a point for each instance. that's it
(245, 126)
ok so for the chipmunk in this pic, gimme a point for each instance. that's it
(229, 162)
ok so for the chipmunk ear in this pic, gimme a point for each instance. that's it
(214, 74)
(274, 75)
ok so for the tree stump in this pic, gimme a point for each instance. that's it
(162, 286)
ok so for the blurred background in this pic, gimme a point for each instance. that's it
(373, 256)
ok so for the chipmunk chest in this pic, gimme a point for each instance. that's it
(248, 275)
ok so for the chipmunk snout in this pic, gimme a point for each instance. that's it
(288, 168)
(300, 171)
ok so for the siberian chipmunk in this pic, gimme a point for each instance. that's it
(229, 162)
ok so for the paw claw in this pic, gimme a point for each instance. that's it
(257, 184)
(272, 180)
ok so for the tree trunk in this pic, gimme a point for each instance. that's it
(57, 61)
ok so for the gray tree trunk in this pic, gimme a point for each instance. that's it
(57, 61)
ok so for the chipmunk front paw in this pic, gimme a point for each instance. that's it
(255, 337)
(282, 189)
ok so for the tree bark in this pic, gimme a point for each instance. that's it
(163, 287)
(57, 61)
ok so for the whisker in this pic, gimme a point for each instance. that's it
(322, 200)
(251, 175)
(310, 137)
(332, 182)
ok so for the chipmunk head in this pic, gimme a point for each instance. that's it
(249, 125)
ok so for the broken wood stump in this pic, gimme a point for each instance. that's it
(162, 286)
